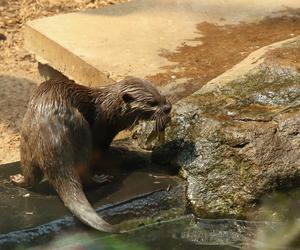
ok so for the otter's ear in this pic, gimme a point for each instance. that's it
(127, 98)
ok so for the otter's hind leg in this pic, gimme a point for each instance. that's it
(31, 173)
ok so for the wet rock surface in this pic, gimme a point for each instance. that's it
(238, 137)
(222, 46)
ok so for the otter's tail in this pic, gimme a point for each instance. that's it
(71, 192)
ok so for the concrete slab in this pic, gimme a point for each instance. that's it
(127, 39)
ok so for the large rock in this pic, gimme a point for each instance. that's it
(239, 136)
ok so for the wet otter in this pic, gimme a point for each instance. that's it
(66, 124)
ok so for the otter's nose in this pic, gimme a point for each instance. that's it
(167, 108)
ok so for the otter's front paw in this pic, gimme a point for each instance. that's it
(18, 180)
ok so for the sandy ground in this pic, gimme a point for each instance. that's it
(18, 69)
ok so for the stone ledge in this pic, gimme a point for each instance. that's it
(93, 46)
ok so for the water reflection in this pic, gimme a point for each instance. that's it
(283, 208)
(183, 233)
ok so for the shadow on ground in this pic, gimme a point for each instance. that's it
(14, 95)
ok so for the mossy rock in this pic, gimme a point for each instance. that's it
(239, 137)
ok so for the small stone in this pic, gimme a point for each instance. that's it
(26, 195)
(24, 55)
(2, 37)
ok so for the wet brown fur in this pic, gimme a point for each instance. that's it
(66, 124)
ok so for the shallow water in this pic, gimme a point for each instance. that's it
(185, 232)
(40, 221)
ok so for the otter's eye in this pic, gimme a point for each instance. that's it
(153, 103)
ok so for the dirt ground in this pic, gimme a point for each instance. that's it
(18, 69)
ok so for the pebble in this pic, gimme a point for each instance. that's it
(2, 37)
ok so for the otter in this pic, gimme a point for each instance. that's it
(66, 124)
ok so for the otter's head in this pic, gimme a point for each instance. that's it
(143, 102)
